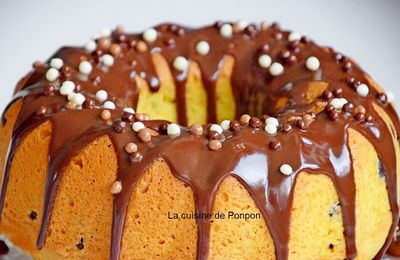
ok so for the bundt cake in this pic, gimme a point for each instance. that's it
(232, 141)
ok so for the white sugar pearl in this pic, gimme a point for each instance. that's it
(286, 169)
(216, 128)
(107, 60)
(52, 74)
(56, 63)
(276, 69)
(338, 103)
(105, 32)
(272, 120)
(390, 96)
(312, 63)
(71, 96)
(67, 88)
(129, 110)
(264, 61)
(91, 46)
(101, 95)
(85, 67)
(109, 105)
(242, 24)
(226, 124)
(294, 36)
(362, 90)
(173, 130)
(150, 35)
(180, 63)
(203, 48)
(226, 30)
(271, 129)
(137, 126)
(78, 99)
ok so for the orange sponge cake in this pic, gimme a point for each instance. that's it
(232, 141)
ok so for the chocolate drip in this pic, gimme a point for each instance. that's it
(320, 148)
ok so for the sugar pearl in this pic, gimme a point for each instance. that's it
(144, 135)
(203, 48)
(105, 32)
(271, 129)
(91, 46)
(264, 61)
(226, 30)
(137, 126)
(173, 130)
(129, 110)
(312, 63)
(196, 129)
(216, 128)
(56, 63)
(67, 88)
(242, 24)
(85, 67)
(107, 60)
(362, 90)
(214, 145)
(276, 69)
(52, 74)
(150, 35)
(101, 95)
(226, 124)
(105, 115)
(116, 187)
(286, 169)
(294, 36)
(180, 63)
(389, 96)
(109, 105)
(78, 99)
(131, 148)
(272, 120)
(338, 103)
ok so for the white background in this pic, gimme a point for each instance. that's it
(367, 30)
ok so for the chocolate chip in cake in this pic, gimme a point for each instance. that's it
(33, 215)
(80, 245)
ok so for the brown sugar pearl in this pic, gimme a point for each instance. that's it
(115, 49)
(38, 64)
(128, 117)
(329, 108)
(48, 90)
(333, 115)
(368, 119)
(116, 187)
(144, 135)
(234, 126)
(360, 117)
(382, 98)
(244, 119)
(136, 157)
(286, 127)
(213, 135)
(141, 46)
(105, 115)
(347, 67)
(89, 104)
(214, 145)
(196, 129)
(131, 148)
(302, 124)
(255, 122)
(326, 95)
(119, 126)
(275, 145)
(348, 107)
(163, 128)
(360, 109)
(338, 92)
(41, 111)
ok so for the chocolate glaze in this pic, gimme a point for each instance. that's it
(318, 148)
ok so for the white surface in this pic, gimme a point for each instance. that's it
(362, 29)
